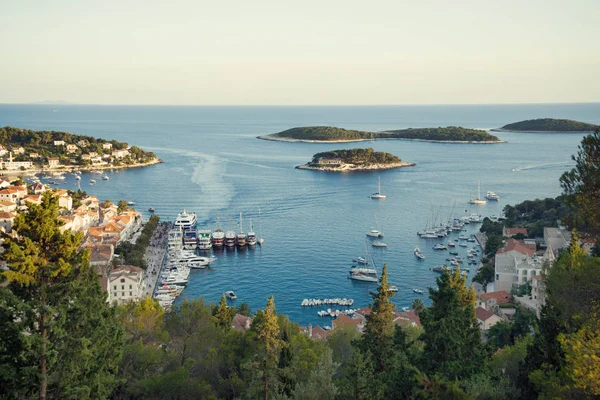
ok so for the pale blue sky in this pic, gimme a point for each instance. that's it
(304, 52)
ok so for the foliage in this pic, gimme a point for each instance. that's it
(418, 306)
(358, 156)
(223, 314)
(329, 133)
(59, 320)
(123, 206)
(77, 197)
(537, 214)
(452, 339)
(134, 254)
(550, 125)
(492, 245)
(485, 274)
(449, 133)
(521, 290)
(582, 183)
(491, 228)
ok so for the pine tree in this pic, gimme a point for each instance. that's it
(379, 330)
(223, 314)
(452, 339)
(418, 306)
(60, 305)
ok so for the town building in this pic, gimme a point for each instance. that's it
(101, 257)
(6, 221)
(53, 162)
(59, 142)
(34, 155)
(7, 206)
(18, 150)
(330, 161)
(71, 148)
(517, 262)
(11, 165)
(120, 153)
(126, 284)
(486, 319)
(557, 238)
(107, 146)
(489, 301)
(510, 232)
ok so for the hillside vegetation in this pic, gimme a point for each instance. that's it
(550, 125)
(359, 157)
(330, 133)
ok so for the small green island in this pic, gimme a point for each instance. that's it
(354, 160)
(330, 134)
(29, 150)
(544, 125)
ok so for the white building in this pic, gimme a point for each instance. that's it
(126, 284)
(59, 142)
(120, 153)
(107, 146)
(517, 263)
(557, 238)
(53, 162)
(6, 221)
(486, 319)
(15, 165)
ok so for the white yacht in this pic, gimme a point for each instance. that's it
(374, 233)
(478, 200)
(363, 270)
(362, 277)
(131, 203)
(230, 295)
(251, 237)
(175, 240)
(378, 243)
(204, 242)
(105, 177)
(378, 195)
(492, 196)
(186, 220)
(190, 239)
(241, 238)
(361, 260)
(230, 236)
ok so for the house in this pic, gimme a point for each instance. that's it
(107, 146)
(7, 206)
(486, 319)
(330, 161)
(18, 150)
(38, 188)
(21, 191)
(120, 153)
(407, 318)
(343, 320)
(314, 333)
(101, 256)
(59, 142)
(516, 263)
(15, 165)
(6, 221)
(71, 148)
(126, 284)
(86, 157)
(34, 155)
(9, 195)
(3, 151)
(241, 323)
(82, 143)
(4, 183)
(490, 300)
(53, 162)
(33, 198)
(510, 232)
(64, 199)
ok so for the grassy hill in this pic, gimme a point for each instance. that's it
(327, 133)
(550, 125)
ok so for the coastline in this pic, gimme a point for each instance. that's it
(354, 168)
(68, 168)
(291, 140)
(523, 131)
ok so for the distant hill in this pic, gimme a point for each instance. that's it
(358, 157)
(550, 125)
(333, 134)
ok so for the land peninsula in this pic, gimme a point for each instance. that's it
(26, 150)
(547, 125)
(354, 160)
(330, 134)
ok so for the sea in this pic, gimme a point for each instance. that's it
(315, 223)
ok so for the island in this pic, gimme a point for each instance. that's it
(354, 160)
(547, 125)
(27, 150)
(330, 134)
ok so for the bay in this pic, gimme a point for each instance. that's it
(314, 223)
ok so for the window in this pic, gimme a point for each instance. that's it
(122, 294)
(115, 287)
(122, 280)
(122, 287)
(130, 287)
(115, 294)
(130, 293)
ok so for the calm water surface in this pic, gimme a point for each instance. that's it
(314, 223)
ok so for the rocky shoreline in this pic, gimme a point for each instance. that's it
(68, 168)
(291, 140)
(354, 168)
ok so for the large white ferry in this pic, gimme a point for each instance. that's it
(186, 220)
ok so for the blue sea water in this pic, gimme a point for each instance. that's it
(314, 223)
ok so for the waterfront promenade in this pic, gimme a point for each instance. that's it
(155, 255)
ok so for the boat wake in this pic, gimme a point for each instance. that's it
(544, 166)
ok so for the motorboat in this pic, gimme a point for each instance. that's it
(92, 181)
(105, 177)
(492, 196)
(151, 209)
(378, 243)
(393, 289)
(361, 260)
(378, 195)
(185, 220)
(418, 291)
(418, 254)
(131, 203)
(451, 244)
(374, 233)
(230, 295)
(439, 246)
(441, 268)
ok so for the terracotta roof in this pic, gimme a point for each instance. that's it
(241, 323)
(6, 203)
(483, 314)
(7, 215)
(407, 318)
(519, 246)
(501, 296)
(319, 333)
(364, 311)
(343, 319)
(129, 269)
(515, 231)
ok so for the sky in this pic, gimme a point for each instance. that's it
(181, 52)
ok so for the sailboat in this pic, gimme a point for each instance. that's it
(364, 273)
(260, 240)
(378, 195)
(241, 236)
(229, 236)
(218, 236)
(478, 200)
(251, 238)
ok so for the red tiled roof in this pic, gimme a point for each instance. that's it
(407, 318)
(6, 215)
(519, 246)
(126, 268)
(515, 231)
(319, 332)
(241, 323)
(501, 296)
(364, 311)
(483, 314)
(343, 319)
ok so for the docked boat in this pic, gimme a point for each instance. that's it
(218, 236)
(441, 268)
(230, 295)
(362, 277)
(363, 270)
(175, 240)
(439, 246)
(451, 244)
(186, 220)
(378, 243)
(418, 254)
(204, 242)
(454, 253)
(374, 233)
(462, 244)
(478, 200)
(492, 196)
(418, 291)
(240, 237)
(92, 181)
(378, 195)
(251, 236)
(77, 177)
(361, 260)
(190, 239)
